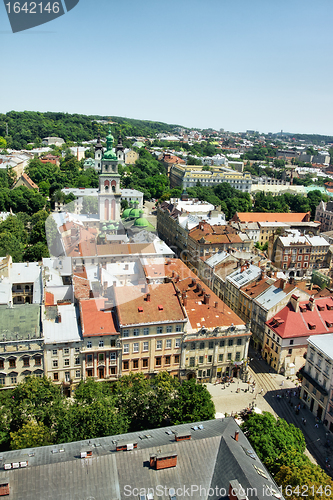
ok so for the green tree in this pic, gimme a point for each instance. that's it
(192, 404)
(31, 435)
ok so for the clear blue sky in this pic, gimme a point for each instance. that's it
(232, 64)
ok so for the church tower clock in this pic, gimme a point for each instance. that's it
(109, 185)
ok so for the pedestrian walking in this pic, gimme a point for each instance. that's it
(304, 421)
(316, 426)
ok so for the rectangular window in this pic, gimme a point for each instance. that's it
(239, 341)
(222, 343)
(229, 356)
(158, 361)
(208, 372)
(202, 345)
(290, 351)
(176, 358)
(146, 331)
(89, 344)
(126, 348)
(77, 349)
(55, 363)
(77, 374)
(167, 360)
(291, 342)
(101, 357)
(220, 357)
(210, 358)
(159, 329)
(201, 358)
(125, 333)
(125, 365)
(54, 352)
(231, 342)
(77, 361)
(101, 343)
(55, 376)
(169, 329)
(26, 362)
(145, 363)
(66, 362)
(192, 361)
(12, 363)
(136, 347)
(193, 346)
(168, 344)
(145, 346)
(67, 377)
(135, 363)
(178, 328)
(177, 343)
(136, 332)
(113, 356)
(238, 356)
(66, 350)
(113, 343)
(211, 345)
(159, 344)
(1, 363)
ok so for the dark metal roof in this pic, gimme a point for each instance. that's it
(212, 458)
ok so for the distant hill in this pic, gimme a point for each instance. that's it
(31, 126)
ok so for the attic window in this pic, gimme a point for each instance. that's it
(330, 308)
(160, 308)
(329, 324)
(303, 308)
(140, 309)
(312, 326)
(321, 308)
(260, 471)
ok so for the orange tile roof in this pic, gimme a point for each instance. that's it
(214, 314)
(215, 234)
(271, 217)
(95, 320)
(49, 299)
(125, 248)
(133, 307)
(29, 181)
(81, 285)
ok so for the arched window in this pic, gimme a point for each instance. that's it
(106, 185)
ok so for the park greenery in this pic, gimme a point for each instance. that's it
(35, 413)
(280, 446)
(30, 127)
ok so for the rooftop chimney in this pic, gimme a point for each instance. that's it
(311, 303)
(206, 298)
(148, 297)
(185, 300)
(294, 301)
(216, 305)
(59, 318)
(194, 281)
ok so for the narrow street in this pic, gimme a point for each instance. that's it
(278, 395)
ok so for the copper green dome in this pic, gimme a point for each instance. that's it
(126, 213)
(141, 222)
(135, 212)
(109, 154)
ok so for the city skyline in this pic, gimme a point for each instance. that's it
(231, 65)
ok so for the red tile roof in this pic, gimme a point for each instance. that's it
(214, 234)
(133, 307)
(95, 320)
(289, 324)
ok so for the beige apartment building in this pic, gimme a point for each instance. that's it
(151, 321)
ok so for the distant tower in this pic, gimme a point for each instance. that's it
(98, 153)
(120, 150)
(109, 185)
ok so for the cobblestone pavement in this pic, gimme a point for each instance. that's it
(280, 396)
